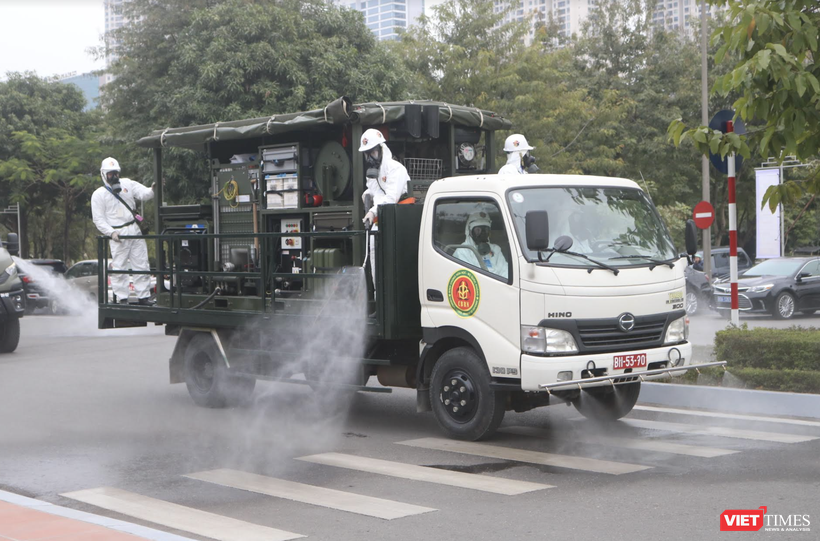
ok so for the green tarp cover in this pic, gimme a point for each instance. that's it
(366, 114)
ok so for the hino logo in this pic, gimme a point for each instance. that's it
(626, 322)
(559, 314)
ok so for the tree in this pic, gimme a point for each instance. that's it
(56, 162)
(185, 63)
(457, 55)
(34, 105)
(773, 47)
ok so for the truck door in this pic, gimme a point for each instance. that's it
(469, 277)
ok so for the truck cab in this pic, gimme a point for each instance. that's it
(608, 304)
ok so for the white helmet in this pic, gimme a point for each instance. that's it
(370, 139)
(108, 165)
(516, 142)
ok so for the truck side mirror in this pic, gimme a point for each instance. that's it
(691, 235)
(537, 230)
(12, 244)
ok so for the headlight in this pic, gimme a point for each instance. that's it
(678, 331)
(542, 340)
(11, 270)
(760, 289)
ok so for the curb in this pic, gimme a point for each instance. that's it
(121, 526)
(731, 400)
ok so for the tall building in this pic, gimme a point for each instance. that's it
(681, 15)
(114, 19)
(568, 14)
(88, 83)
(387, 18)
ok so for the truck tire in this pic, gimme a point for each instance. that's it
(461, 398)
(207, 378)
(9, 335)
(606, 403)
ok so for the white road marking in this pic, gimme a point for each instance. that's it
(739, 416)
(496, 485)
(627, 443)
(719, 431)
(521, 455)
(310, 494)
(178, 517)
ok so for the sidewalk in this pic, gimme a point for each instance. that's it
(27, 519)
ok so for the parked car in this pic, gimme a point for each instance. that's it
(698, 285)
(720, 261)
(36, 295)
(84, 275)
(780, 286)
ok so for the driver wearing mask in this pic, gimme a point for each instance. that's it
(477, 245)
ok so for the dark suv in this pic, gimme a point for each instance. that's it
(36, 296)
(698, 285)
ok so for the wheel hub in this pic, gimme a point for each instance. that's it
(786, 306)
(458, 396)
(204, 374)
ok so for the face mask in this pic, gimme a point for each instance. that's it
(114, 181)
(529, 164)
(374, 157)
(481, 237)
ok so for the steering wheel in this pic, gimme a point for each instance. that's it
(598, 245)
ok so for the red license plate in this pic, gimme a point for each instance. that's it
(621, 362)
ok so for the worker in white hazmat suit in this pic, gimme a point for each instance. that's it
(519, 161)
(478, 248)
(386, 187)
(114, 220)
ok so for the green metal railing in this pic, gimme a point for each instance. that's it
(170, 267)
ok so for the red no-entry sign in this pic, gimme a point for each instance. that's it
(704, 215)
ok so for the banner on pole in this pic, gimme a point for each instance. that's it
(768, 223)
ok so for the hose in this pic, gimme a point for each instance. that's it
(230, 190)
(207, 299)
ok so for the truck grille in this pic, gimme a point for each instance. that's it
(605, 334)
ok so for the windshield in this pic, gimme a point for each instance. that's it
(774, 267)
(617, 226)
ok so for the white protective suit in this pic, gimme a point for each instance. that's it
(494, 260)
(388, 188)
(108, 215)
(513, 165)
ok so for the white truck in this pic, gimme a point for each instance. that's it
(492, 292)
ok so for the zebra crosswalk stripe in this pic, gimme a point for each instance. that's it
(776, 437)
(522, 455)
(496, 485)
(177, 516)
(626, 443)
(311, 494)
(737, 416)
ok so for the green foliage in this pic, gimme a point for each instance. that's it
(49, 149)
(675, 216)
(186, 63)
(773, 47)
(794, 348)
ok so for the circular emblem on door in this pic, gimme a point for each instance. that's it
(626, 322)
(463, 293)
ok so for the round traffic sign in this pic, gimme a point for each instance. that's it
(704, 215)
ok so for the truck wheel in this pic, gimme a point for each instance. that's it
(9, 335)
(461, 398)
(606, 403)
(208, 380)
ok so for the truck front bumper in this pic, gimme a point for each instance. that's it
(538, 372)
(12, 304)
